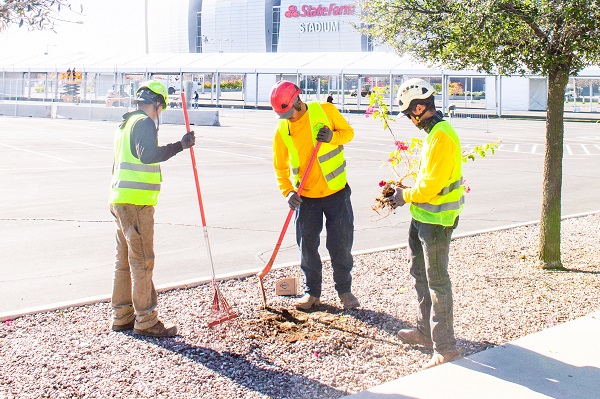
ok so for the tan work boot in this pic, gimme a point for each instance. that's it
(307, 302)
(444, 357)
(158, 330)
(123, 327)
(349, 300)
(413, 336)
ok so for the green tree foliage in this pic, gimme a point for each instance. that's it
(553, 38)
(34, 14)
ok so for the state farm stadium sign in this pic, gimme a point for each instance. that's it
(308, 11)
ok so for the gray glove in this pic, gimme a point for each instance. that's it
(396, 199)
(325, 134)
(188, 140)
(293, 200)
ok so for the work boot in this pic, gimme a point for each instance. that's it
(444, 357)
(413, 336)
(158, 330)
(123, 327)
(307, 302)
(349, 300)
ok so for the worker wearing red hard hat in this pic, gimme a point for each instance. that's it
(325, 192)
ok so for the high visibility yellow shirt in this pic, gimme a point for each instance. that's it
(435, 173)
(300, 131)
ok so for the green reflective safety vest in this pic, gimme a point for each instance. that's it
(133, 182)
(330, 157)
(448, 203)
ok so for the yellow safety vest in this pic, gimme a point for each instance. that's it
(133, 182)
(330, 157)
(448, 203)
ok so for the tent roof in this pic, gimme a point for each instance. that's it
(311, 63)
(374, 63)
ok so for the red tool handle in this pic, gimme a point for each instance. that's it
(269, 265)
(187, 127)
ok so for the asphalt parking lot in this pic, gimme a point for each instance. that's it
(58, 235)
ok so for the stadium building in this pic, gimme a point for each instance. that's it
(255, 26)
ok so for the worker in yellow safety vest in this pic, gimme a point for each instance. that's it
(325, 192)
(134, 192)
(436, 200)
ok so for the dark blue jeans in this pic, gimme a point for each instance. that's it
(339, 223)
(428, 250)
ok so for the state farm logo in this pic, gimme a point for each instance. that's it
(318, 11)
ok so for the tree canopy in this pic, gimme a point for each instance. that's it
(33, 14)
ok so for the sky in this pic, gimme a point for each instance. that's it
(108, 27)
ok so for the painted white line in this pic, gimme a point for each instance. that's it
(534, 148)
(37, 153)
(90, 144)
(516, 148)
(585, 149)
(249, 272)
(597, 146)
(236, 143)
(368, 143)
(233, 153)
(569, 151)
(367, 150)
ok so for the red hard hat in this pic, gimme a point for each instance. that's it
(283, 97)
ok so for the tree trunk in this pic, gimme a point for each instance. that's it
(550, 218)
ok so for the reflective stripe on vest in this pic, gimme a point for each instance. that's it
(133, 182)
(448, 204)
(330, 157)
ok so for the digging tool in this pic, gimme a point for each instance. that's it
(269, 265)
(222, 310)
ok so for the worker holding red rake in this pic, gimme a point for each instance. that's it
(325, 192)
(134, 193)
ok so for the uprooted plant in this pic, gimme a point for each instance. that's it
(404, 159)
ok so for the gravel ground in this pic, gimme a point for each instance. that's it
(500, 295)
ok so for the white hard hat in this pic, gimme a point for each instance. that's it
(413, 89)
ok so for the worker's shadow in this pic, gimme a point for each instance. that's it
(269, 380)
(538, 372)
(391, 325)
(383, 321)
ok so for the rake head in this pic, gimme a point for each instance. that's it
(221, 310)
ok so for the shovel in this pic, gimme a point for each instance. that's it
(269, 265)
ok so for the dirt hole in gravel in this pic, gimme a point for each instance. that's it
(290, 325)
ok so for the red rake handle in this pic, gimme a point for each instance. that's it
(269, 265)
(187, 129)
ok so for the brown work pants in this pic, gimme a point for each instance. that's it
(134, 295)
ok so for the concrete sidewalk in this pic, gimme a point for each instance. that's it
(560, 362)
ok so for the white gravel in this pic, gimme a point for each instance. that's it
(500, 295)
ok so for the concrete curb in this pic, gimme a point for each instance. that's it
(249, 272)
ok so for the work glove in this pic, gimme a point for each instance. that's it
(396, 199)
(325, 134)
(188, 140)
(294, 200)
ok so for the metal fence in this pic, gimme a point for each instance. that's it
(477, 121)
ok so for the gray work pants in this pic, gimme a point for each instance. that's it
(134, 295)
(428, 250)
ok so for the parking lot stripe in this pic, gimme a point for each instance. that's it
(233, 153)
(585, 149)
(37, 153)
(90, 144)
